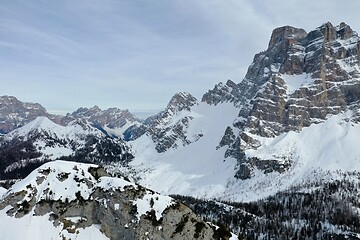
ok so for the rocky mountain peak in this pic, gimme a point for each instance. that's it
(181, 101)
(286, 35)
(113, 120)
(344, 31)
(14, 113)
(228, 92)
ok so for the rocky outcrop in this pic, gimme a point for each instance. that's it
(79, 196)
(328, 57)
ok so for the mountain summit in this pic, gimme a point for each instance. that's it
(301, 79)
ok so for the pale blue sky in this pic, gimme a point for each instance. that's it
(134, 54)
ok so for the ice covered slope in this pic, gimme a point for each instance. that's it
(67, 200)
(321, 151)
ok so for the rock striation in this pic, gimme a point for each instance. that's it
(301, 79)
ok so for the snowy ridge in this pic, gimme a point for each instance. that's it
(43, 140)
(81, 201)
(68, 181)
(43, 124)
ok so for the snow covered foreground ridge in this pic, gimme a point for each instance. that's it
(67, 200)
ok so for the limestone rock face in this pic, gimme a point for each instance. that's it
(76, 197)
(301, 79)
(328, 57)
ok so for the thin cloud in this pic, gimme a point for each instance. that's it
(137, 54)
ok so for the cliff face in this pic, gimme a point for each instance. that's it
(301, 79)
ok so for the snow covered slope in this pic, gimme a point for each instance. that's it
(43, 140)
(67, 200)
(320, 152)
(198, 168)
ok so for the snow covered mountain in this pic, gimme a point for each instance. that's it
(289, 131)
(14, 113)
(168, 129)
(113, 120)
(293, 118)
(67, 200)
(43, 140)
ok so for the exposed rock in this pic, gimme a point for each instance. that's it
(328, 55)
(301, 79)
(14, 113)
(165, 131)
(230, 92)
(112, 117)
(122, 209)
(228, 138)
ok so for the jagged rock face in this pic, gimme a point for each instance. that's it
(79, 196)
(327, 56)
(42, 140)
(229, 92)
(301, 79)
(180, 101)
(166, 132)
(14, 113)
